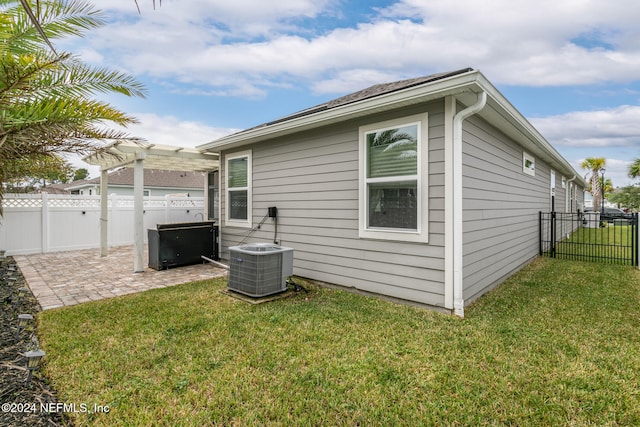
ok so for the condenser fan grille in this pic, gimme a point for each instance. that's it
(259, 269)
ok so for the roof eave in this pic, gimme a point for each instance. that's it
(404, 97)
(501, 114)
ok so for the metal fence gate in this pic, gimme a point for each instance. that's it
(585, 237)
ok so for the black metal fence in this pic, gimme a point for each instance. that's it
(585, 237)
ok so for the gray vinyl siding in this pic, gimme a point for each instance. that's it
(312, 178)
(500, 207)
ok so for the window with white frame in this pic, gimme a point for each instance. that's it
(238, 189)
(528, 164)
(393, 180)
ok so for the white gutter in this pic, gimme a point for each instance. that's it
(458, 300)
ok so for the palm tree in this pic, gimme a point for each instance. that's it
(46, 105)
(606, 186)
(595, 165)
(634, 169)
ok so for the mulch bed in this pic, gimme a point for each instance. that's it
(32, 404)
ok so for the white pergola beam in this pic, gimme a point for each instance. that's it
(167, 157)
(166, 151)
(104, 212)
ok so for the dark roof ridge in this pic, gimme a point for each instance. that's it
(360, 95)
(366, 93)
(382, 88)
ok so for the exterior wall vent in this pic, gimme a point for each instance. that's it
(259, 269)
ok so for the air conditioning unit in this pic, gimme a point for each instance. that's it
(259, 269)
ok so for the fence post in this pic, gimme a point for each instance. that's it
(540, 233)
(114, 224)
(45, 222)
(167, 202)
(553, 234)
(637, 245)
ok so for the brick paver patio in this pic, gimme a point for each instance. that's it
(60, 279)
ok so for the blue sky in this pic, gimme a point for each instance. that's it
(212, 67)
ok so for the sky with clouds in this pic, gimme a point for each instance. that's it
(571, 67)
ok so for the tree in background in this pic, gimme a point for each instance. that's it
(80, 174)
(37, 172)
(46, 97)
(628, 197)
(634, 169)
(606, 186)
(595, 165)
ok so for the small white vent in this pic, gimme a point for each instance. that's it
(259, 269)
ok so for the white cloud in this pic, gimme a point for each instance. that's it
(346, 80)
(241, 47)
(165, 130)
(170, 130)
(606, 133)
(237, 18)
(616, 127)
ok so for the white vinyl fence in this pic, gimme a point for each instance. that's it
(39, 223)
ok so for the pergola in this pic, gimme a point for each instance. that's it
(142, 155)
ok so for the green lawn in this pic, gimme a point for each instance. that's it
(612, 244)
(558, 344)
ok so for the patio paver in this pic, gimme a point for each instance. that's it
(61, 279)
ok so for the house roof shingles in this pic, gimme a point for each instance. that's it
(383, 88)
(465, 81)
(370, 92)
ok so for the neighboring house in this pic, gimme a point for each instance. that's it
(424, 190)
(156, 183)
(53, 189)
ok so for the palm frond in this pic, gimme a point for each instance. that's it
(46, 97)
(37, 23)
(80, 79)
(58, 138)
(61, 110)
(154, 5)
(45, 76)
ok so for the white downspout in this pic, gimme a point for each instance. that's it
(458, 300)
(568, 193)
